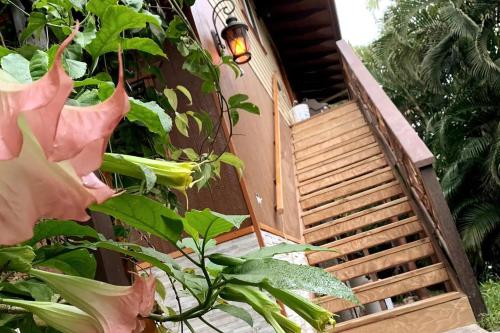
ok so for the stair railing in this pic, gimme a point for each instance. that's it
(414, 162)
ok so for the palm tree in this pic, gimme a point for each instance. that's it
(440, 63)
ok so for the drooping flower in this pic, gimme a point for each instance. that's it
(32, 187)
(315, 315)
(118, 309)
(64, 318)
(49, 151)
(262, 305)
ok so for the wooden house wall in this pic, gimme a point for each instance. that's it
(253, 141)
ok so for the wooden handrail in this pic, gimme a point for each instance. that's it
(277, 147)
(414, 147)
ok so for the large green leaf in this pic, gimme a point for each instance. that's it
(136, 43)
(211, 224)
(16, 258)
(281, 248)
(76, 69)
(39, 291)
(17, 66)
(236, 312)
(39, 64)
(98, 7)
(284, 275)
(234, 161)
(150, 115)
(52, 228)
(115, 20)
(36, 22)
(78, 262)
(144, 214)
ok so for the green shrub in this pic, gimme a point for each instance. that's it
(491, 294)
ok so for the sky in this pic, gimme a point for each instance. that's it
(358, 24)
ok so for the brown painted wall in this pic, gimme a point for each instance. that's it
(254, 137)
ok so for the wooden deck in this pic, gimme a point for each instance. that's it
(353, 201)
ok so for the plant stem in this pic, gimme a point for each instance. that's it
(210, 325)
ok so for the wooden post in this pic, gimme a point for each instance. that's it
(277, 147)
(456, 252)
(110, 266)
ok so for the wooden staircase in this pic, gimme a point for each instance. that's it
(352, 200)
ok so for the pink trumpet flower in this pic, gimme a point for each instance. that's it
(117, 309)
(48, 151)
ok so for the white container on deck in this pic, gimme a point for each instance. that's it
(301, 112)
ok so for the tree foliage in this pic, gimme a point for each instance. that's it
(440, 63)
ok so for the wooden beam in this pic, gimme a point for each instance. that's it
(437, 314)
(388, 287)
(367, 239)
(278, 173)
(352, 203)
(379, 261)
(348, 172)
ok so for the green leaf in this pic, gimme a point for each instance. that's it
(114, 21)
(284, 275)
(135, 4)
(4, 51)
(235, 116)
(234, 161)
(39, 65)
(196, 119)
(98, 7)
(52, 228)
(186, 93)
(191, 154)
(160, 289)
(85, 37)
(211, 224)
(16, 258)
(17, 66)
(182, 123)
(236, 100)
(36, 22)
(281, 248)
(249, 107)
(204, 176)
(236, 312)
(144, 214)
(30, 288)
(78, 4)
(77, 262)
(158, 259)
(136, 43)
(76, 69)
(150, 115)
(171, 96)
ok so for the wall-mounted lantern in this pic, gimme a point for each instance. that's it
(235, 33)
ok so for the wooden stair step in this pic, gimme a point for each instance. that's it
(325, 126)
(324, 116)
(346, 188)
(382, 260)
(393, 286)
(367, 239)
(331, 154)
(340, 162)
(329, 134)
(336, 159)
(351, 203)
(343, 174)
(436, 314)
(359, 220)
(334, 143)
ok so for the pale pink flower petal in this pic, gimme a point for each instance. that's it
(41, 102)
(31, 188)
(117, 309)
(84, 132)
